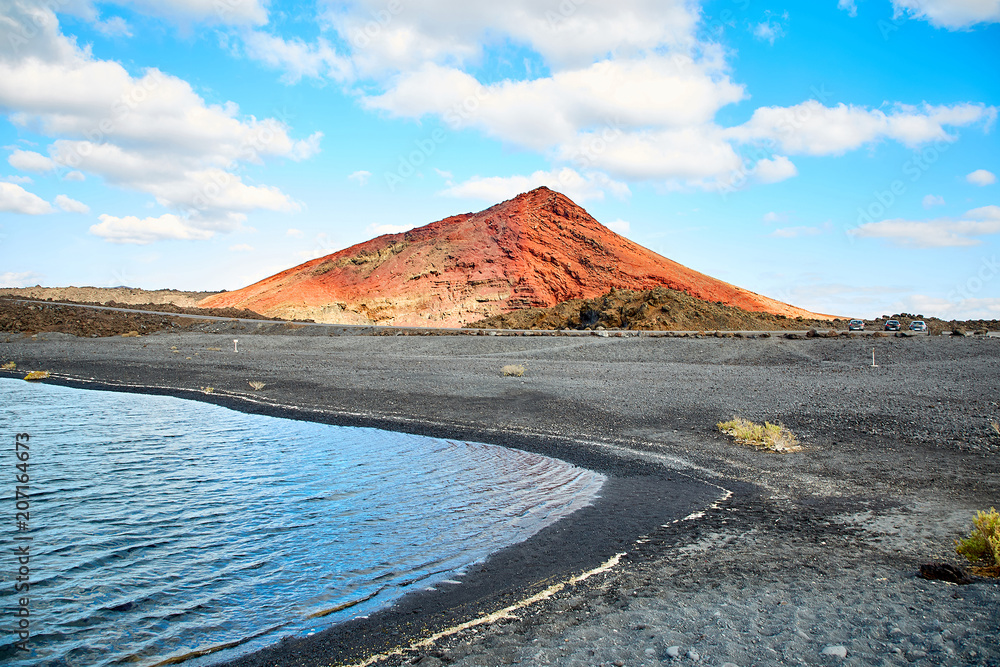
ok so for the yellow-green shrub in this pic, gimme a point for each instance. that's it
(982, 546)
(773, 437)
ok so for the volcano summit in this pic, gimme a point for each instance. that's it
(535, 250)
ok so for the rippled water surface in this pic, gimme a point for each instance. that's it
(162, 527)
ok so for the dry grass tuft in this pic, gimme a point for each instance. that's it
(214, 349)
(207, 390)
(9, 366)
(982, 546)
(257, 385)
(131, 334)
(772, 437)
(513, 370)
(995, 426)
(36, 375)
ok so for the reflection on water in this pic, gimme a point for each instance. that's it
(162, 527)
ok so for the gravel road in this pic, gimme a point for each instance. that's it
(804, 558)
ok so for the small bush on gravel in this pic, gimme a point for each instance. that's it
(982, 546)
(773, 437)
(515, 370)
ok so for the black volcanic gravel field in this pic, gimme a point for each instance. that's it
(732, 556)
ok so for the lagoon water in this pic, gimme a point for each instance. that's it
(163, 527)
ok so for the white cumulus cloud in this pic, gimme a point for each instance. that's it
(151, 132)
(608, 96)
(133, 230)
(810, 128)
(620, 227)
(115, 26)
(937, 233)
(71, 205)
(31, 161)
(298, 59)
(981, 177)
(15, 199)
(19, 278)
(929, 201)
(574, 185)
(632, 89)
(379, 230)
(951, 14)
(693, 154)
(390, 37)
(360, 177)
(768, 31)
(214, 12)
(849, 6)
(775, 170)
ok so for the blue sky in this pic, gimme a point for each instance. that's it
(838, 155)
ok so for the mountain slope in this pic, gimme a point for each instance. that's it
(535, 250)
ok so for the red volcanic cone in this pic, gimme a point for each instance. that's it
(535, 250)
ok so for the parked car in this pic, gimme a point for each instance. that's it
(892, 325)
(918, 325)
(856, 325)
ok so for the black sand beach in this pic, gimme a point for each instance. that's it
(730, 555)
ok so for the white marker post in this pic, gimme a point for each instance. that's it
(874, 365)
(236, 347)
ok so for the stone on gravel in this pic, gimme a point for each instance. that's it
(945, 572)
(836, 651)
(674, 651)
